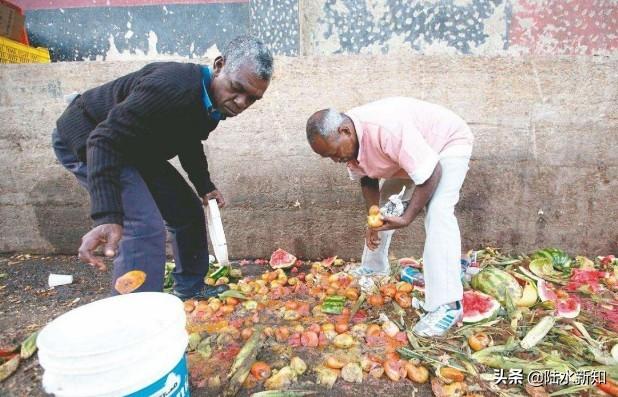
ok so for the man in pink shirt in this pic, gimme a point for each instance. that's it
(400, 142)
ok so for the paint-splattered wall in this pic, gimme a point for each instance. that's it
(122, 29)
(77, 30)
(484, 27)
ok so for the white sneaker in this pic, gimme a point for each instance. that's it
(439, 321)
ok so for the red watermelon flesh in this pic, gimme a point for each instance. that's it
(546, 291)
(478, 306)
(281, 259)
(566, 306)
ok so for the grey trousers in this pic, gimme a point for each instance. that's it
(442, 250)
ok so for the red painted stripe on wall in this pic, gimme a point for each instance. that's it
(571, 28)
(55, 4)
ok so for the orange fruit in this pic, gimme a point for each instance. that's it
(374, 221)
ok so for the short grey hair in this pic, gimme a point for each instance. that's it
(248, 48)
(324, 123)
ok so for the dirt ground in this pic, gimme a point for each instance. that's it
(27, 304)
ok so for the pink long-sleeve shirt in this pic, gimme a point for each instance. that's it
(404, 137)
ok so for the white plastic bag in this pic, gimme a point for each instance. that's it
(377, 260)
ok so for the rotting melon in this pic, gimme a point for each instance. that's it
(497, 283)
(281, 259)
(130, 281)
(478, 306)
(566, 306)
(529, 296)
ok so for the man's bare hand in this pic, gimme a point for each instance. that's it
(372, 239)
(215, 194)
(109, 235)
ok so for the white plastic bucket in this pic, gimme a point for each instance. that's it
(127, 345)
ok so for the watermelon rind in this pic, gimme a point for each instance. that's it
(529, 296)
(470, 318)
(276, 263)
(547, 294)
(567, 313)
(497, 283)
(560, 260)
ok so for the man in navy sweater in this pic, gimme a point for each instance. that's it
(117, 139)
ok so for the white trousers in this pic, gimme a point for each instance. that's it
(442, 251)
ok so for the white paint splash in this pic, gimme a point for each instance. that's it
(462, 3)
(436, 47)
(324, 44)
(341, 7)
(113, 54)
(397, 44)
(494, 29)
(377, 8)
(212, 52)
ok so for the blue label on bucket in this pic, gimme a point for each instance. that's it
(173, 384)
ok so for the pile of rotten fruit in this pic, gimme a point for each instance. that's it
(301, 328)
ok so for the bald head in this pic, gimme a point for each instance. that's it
(331, 134)
(324, 123)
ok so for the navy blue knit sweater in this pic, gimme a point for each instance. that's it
(151, 115)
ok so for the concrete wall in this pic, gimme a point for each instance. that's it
(138, 29)
(544, 169)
